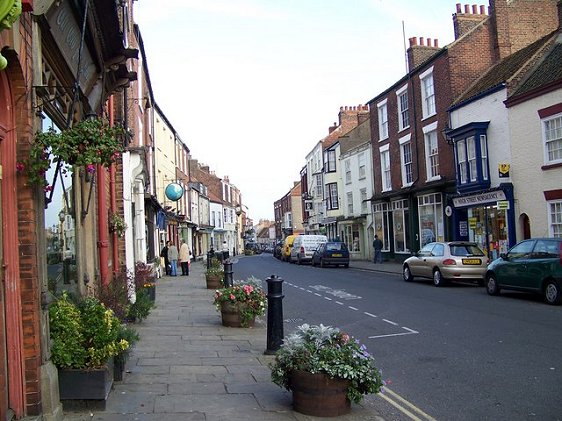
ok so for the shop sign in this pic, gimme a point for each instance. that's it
(478, 199)
(503, 170)
(472, 222)
(463, 228)
(503, 205)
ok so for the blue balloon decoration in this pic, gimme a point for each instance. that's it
(174, 191)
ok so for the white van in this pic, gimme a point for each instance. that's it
(304, 246)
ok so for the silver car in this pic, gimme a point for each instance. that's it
(444, 261)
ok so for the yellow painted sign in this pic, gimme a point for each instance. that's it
(503, 170)
(503, 204)
(472, 222)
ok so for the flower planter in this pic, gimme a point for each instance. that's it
(118, 368)
(152, 293)
(214, 281)
(319, 395)
(231, 316)
(85, 384)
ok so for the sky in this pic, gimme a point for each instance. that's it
(251, 86)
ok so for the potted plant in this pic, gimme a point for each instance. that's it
(325, 369)
(87, 143)
(117, 224)
(214, 274)
(241, 303)
(130, 335)
(84, 339)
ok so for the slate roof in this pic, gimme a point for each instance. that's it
(506, 70)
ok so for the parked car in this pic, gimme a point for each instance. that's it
(287, 246)
(304, 246)
(278, 250)
(444, 261)
(532, 265)
(331, 253)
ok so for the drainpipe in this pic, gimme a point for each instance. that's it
(103, 225)
(112, 196)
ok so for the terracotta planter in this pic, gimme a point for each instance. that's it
(231, 316)
(319, 395)
(214, 281)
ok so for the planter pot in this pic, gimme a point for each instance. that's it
(319, 395)
(118, 368)
(214, 281)
(152, 293)
(86, 384)
(231, 316)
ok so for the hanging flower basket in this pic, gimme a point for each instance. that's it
(86, 144)
(117, 224)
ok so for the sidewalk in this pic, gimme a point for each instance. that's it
(187, 366)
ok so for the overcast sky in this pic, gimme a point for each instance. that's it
(252, 85)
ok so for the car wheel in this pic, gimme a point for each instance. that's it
(552, 294)
(492, 286)
(438, 280)
(407, 274)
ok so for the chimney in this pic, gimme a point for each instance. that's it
(464, 22)
(418, 52)
(349, 116)
(332, 128)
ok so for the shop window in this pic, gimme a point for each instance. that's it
(401, 217)
(381, 216)
(352, 238)
(430, 209)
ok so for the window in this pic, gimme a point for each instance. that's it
(383, 120)
(430, 209)
(361, 163)
(319, 186)
(331, 161)
(553, 139)
(381, 226)
(332, 196)
(432, 154)
(461, 159)
(484, 154)
(385, 169)
(350, 203)
(428, 93)
(471, 152)
(401, 218)
(403, 107)
(363, 193)
(555, 218)
(406, 156)
(347, 171)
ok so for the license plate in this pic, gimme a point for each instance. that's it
(336, 254)
(471, 261)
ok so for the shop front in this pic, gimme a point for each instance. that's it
(486, 218)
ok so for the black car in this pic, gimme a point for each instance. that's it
(331, 253)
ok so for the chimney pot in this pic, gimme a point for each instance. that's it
(467, 9)
(421, 41)
(436, 43)
(482, 9)
(428, 42)
(413, 41)
(459, 8)
(474, 9)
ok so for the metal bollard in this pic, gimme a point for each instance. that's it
(228, 281)
(274, 314)
(209, 257)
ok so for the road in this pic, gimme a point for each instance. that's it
(454, 353)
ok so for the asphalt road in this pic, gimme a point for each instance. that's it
(451, 353)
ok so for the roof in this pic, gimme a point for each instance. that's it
(505, 71)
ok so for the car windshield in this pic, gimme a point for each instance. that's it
(466, 250)
(335, 246)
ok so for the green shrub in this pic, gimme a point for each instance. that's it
(140, 309)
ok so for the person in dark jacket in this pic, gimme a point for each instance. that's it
(164, 254)
(377, 245)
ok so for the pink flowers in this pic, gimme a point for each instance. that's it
(91, 168)
(248, 289)
(20, 167)
(232, 297)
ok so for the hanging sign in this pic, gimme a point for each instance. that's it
(503, 170)
(174, 192)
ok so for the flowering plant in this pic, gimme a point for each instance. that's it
(86, 144)
(117, 224)
(325, 349)
(248, 296)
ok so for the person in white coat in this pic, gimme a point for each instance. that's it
(184, 258)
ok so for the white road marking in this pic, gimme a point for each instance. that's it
(410, 330)
(339, 302)
(391, 334)
(391, 322)
(352, 308)
(328, 298)
(369, 314)
(409, 404)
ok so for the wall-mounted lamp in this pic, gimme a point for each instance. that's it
(446, 135)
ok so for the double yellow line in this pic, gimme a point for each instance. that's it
(407, 408)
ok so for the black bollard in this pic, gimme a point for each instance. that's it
(228, 281)
(274, 314)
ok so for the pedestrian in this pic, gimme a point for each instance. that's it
(184, 258)
(377, 245)
(164, 255)
(173, 258)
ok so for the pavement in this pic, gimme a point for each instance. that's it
(187, 366)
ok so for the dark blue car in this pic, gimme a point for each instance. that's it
(331, 253)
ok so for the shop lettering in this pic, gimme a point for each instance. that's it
(479, 198)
